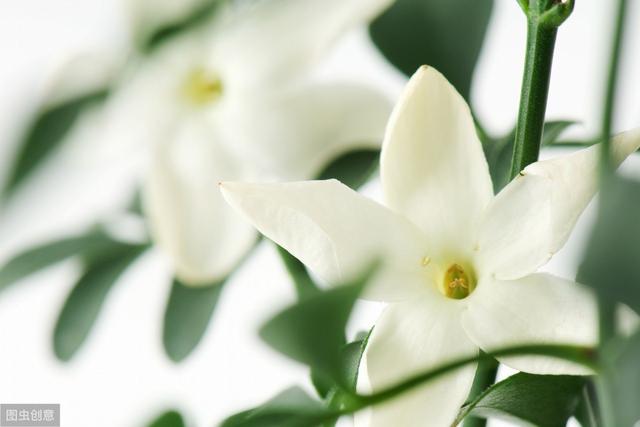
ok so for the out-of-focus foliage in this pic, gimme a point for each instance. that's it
(189, 310)
(621, 379)
(198, 17)
(291, 408)
(87, 297)
(168, 419)
(353, 168)
(612, 261)
(48, 129)
(445, 34)
(542, 400)
(312, 331)
(91, 244)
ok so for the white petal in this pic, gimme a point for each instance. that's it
(433, 168)
(410, 338)
(293, 134)
(537, 309)
(514, 236)
(189, 219)
(272, 41)
(574, 178)
(336, 232)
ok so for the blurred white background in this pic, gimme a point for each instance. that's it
(121, 376)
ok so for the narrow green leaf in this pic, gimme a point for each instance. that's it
(621, 377)
(192, 21)
(353, 168)
(553, 129)
(169, 419)
(542, 400)
(611, 264)
(186, 317)
(291, 408)
(312, 331)
(46, 133)
(87, 297)
(445, 34)
(37, 258)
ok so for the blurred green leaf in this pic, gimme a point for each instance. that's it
(87, 297)
(445, 34)
(186, 317)
(353, 168)
(542, 400)
(37, 258)
(587, 412)
(305, 286)
(198, 17)
(611, 264)
(168, 419)
(499, 151)
(46, 133)
(312, 331)
(621, 376)
(291, 408)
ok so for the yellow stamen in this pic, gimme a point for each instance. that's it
(457, 283)
(201, 87)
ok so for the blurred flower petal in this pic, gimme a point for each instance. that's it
(188, 217)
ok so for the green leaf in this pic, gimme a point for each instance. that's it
(499, 151)
(312, 331)
(200, 16)
(541, 400)
(445, 34)
(291, 408)
(46, 133)
(186, 317)
(169, 419)
(85, 301)
(353, 168)
(305, 286)
(621, 376)
(93, 243)
(611, 264)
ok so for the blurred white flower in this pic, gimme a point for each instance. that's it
(237, 101)
(459, 269)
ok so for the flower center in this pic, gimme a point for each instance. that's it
(458, 283)
(202, 87)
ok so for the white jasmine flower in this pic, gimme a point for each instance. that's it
(459, 264)
(237, 101)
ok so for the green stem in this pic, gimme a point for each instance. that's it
(485, 377)
(541, 40)
(610, 88)
(582, 355)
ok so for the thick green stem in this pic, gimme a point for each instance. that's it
(485, 377)
(541, 40)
